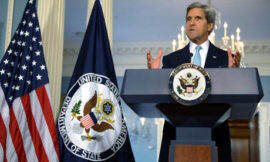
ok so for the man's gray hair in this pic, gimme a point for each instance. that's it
(210, 13)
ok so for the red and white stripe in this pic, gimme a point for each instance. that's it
(189, 89)
(28, 130)
(87, 121)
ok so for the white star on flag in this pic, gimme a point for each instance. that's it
(9, 51)
(26, 34)
(38, 53)
(34, 63)
(6, 84)
(24, 67)
(20, 77)
(42, 67)
(2, 71)
(17, 88)
(27, 57)
(39, 77)
(30, 24)
(6, 61)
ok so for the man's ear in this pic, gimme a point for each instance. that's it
(210, 27)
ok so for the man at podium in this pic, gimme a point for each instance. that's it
(200, 20)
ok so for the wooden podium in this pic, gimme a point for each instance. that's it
(235, 94)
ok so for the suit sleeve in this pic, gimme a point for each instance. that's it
(225, 60)
(165, 62)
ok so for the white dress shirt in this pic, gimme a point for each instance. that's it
(203, 51)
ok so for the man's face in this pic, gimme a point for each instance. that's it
(197, 27)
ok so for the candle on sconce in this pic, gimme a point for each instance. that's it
(182, 33)
(242, 49)
(225, 29)
(232, 41)
(238, 34)
(174, 45)
(179, 41)
(238, 38)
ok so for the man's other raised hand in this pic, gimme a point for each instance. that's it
(234, 59)
(153, 63)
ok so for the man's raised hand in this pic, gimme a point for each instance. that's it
(234, 61)
(153, 63)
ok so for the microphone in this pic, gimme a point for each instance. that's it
(190, 56)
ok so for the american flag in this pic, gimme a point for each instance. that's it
(27, 128)
(89, 120)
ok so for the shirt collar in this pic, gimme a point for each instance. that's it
(205, 46)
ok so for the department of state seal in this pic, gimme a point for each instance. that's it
(189, 84)
(91, 122)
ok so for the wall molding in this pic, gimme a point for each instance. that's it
(132, 55)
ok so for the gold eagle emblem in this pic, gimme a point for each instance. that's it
(189, 84)
(91, 104)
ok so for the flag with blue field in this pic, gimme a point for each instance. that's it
(91, 125)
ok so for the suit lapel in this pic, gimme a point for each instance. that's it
(184, 57)
(211, 59)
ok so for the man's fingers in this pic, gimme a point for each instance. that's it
(229, 52)
(237, 59)
(149, 56)
(230, 61)
(151, 62)
(160, 53)
(238, 55)
(234, 59)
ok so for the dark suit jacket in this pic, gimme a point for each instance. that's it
(216, 58)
